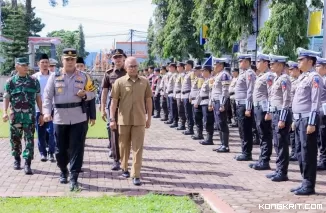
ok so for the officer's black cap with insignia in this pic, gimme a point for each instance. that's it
(44, 56)
(157, 70)
(173, 65)
(69, 53)
(207, 68)
(80, 60)
(118, 52)
(22, 61)
(180, 64)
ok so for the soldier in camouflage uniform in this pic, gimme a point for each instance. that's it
(21, 92)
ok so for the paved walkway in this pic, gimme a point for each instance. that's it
(172, 163)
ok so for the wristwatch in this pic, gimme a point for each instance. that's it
(85, 97)
(112, 120)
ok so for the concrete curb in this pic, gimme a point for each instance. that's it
(215, 203)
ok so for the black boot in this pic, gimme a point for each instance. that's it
(168, 122)
(190, 131)
(164, 119)
(174, 125)
(225, 141)
(198, 135)
(17, 163)
(208, 140)
(27, 167)
(74, 186)
(64, 176)
(182, 127)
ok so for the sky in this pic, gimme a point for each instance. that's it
(104, 21)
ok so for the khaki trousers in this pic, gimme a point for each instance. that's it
(131, 137)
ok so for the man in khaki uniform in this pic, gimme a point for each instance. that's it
(130, 91)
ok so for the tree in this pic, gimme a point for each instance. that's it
(180, 32)
(227, 20)
(14, 29)
(81, 42)
(150, 44)
(160, 16)
(286, 29)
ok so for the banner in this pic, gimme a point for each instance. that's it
(315, 22)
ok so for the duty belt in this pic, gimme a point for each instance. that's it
(240, 102)
(68, 105)
(193, 98)
(177, 92)
(259, 103)
(185, 92)
(297, 116)
(170, 92)
(204, 98)
(273, 109)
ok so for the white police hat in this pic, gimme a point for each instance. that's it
(293, 64)
(302, 53)
(321, 61)
(53, 61)
(244, 56)
(277, 58)
(261, 56)
(221, 60)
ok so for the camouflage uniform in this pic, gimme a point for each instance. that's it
(22, 92)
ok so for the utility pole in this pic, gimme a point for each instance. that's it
(0, 18)
(131, 35)
(324, 31)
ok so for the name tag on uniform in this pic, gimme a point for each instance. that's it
(324, 108)
(264, 105)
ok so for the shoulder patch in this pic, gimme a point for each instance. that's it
(250, 76)
(315, 81)
(225, 77)
(284, 84)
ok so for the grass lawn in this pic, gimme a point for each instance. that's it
(96, 131)
(139, 204)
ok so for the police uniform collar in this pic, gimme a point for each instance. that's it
(128, 77)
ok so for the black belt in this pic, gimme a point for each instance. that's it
(177, 92)
(193, 98)
(69, 105)
(204, 98)
(170, 92)
(185, 92)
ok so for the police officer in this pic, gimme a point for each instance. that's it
(162, 86)
(243, 96)
(280, 114)
(64, 92)
(235, 74)
(177, 95)
(306, 107)
(321, 69)
(53, 64)
(294, 73)
(197, 112)
(218, 102)
(110, 76)
(202, 101)
(262, 88)
(21, 93)
(150, 77)
(171, 95)
(185, 94)
(156, 92)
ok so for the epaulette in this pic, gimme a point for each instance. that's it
(109, 71)
(57, 72)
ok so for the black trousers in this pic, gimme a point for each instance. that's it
(164, 106)
(189, 112)
(322, 140)
(174, 110)
(264, 129)
(221, 117)
(114, 139)
(209, 118)
(281, 142)
(181, 111)
(307, 151)
(292, 143)
(234, 110)
(157, 104)
(245, 129)
(198, 114)
(70, 145)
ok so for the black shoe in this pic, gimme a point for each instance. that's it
(293, 158)
(168, 122)
(215, 149)
(136, 181)
(51, 158)
(125, 174)
(63, 177)
(243, 157)
(295, 189)
(234, 125)
(223, 149)
(110, 154)
(271, 175)
(261, 166)
(27, 168)
(181, 128)
(164, 119)
(253, 164)
(116, 166)
(173, 125)
(280, 177)
(156, 116)
(74, 186)
(305, 191)
(321, 167)
(17, 163)
(188, 132)
(206, 143)
(43, 158)
(197, 137)
(208, 140)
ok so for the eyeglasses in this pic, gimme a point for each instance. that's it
(132, 66)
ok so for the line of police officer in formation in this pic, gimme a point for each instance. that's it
(286, 108)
